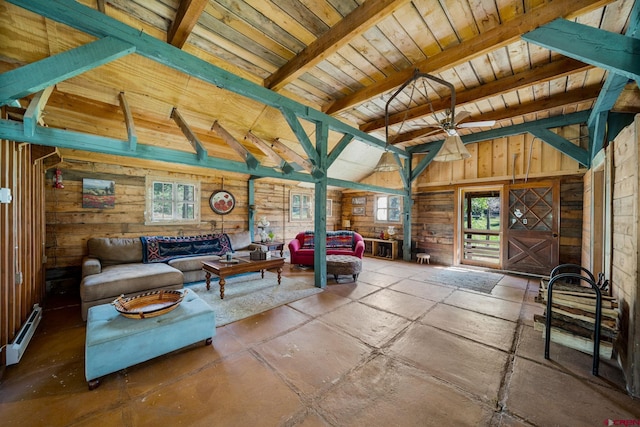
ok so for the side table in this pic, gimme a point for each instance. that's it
(273, 246)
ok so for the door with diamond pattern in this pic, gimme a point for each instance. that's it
(532, 242)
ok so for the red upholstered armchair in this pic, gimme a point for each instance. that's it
(339, 242)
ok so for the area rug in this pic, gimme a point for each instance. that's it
(249, 294)
(480, 281)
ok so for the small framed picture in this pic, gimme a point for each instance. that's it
(329, 208)
(358, 211)
(98, 193)
(358, 200)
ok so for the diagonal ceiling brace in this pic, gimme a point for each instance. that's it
(128, 121)
(266, 149)
(189, 134)
(339, 148)
(301, 135)
(251, 161)
(33, 115)
(286, 152)
(31, 78)
(563, 145)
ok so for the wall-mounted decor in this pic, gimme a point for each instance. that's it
(222, 202)
(98, 194)
(358, 200)
(358, 210)
(329, 208)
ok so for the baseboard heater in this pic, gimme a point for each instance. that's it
(16, 349)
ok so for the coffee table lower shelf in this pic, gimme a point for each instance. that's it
(244, 265)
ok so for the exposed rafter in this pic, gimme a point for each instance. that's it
(189, 134)
(499, 36)
(33, 115)
(128, 121)
(353, 25)
(251, 161)
(544, 73)
(283, 151)
(268, 151)
(187, 16)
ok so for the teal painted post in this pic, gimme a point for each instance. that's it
(320, 235)
(251, 191)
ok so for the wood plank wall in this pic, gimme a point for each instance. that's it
(624, 272)
(21, 239)
(69, 225)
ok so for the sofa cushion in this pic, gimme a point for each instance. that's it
(161, 249)
(191, 263)
(127, 279)
(112, 251)
(340, 239)
(307, 240)
(240, 241)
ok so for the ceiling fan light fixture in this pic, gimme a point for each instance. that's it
(453, 149)
(387, 163)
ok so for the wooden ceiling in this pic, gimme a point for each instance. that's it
(343, 57)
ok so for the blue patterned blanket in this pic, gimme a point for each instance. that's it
(162, 249)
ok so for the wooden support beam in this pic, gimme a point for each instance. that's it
(128, 121)
(583, 94)
(286, 152)
(251, 161)
(613, 52)
(300, 133)
(540, 74)
(189, 134)
(187, 16)
(563, 145)
(490, 40)
(266, 149)
(33, 115)
(100, 5)
(91, 21)
(357, 22)
(339, 148)
(31, 78)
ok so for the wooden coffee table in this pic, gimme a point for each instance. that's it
(223, 269)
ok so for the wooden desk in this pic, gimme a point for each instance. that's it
(381, 248)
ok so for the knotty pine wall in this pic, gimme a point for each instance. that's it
(69, 225)
(21, 239)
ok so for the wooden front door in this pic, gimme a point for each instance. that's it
(532, 242)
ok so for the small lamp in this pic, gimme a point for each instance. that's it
(263, 223)
(346, 224)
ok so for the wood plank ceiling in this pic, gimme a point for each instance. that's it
(343, 57)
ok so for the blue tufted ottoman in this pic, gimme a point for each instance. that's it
(115, 342)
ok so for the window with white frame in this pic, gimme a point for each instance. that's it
(388, 208)
(170, 201)
(301, 207)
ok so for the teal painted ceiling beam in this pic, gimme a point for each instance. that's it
(91, 21)
(31, 78)
(551, 122)
(597, 126)
(364, 187)
(300, 134)
(338, 149)
(616, 53)
(14, 131)
(563, 145)
(433, 149)
(34, 111)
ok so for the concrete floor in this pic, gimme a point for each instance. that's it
(389, 350)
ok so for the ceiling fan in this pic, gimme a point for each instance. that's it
(453, 148)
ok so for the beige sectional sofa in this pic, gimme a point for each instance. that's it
(115, 266)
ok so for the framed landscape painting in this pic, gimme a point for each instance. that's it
(98, 194)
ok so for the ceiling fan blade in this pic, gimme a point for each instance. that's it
(460, 116)
(433, 132)
(479, 124)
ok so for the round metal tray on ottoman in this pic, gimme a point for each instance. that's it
(344, 265)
